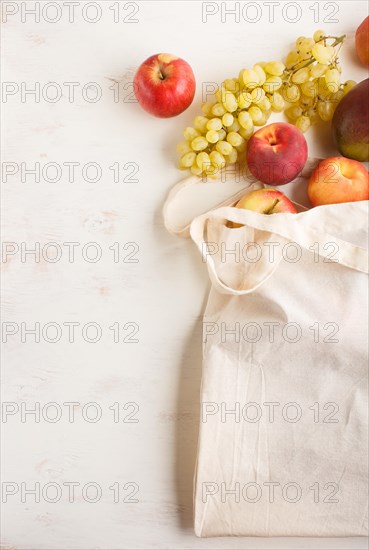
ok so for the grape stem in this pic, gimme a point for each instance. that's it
(337, 39)
(336, 54)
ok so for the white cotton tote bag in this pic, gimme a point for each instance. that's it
(284, 399)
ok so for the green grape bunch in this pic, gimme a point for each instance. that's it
(307, 87)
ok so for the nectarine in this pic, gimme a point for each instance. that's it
(277, 153)
(338, 179)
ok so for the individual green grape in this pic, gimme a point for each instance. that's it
(310, 88)
(275, 68)
(213, 124)
(245, 120)
(348, 85)
(306, 101)
(304, 57)
(199, 143)
(300, 76)
(224, 148)
(203, 160)
(265, 104)
(230, 102)
(234, 127)
(325, 110)
(260, 72)
(318, 35)
(244, 100)
(292, 59)
(276, 102)
(218, 109)
(306, 46)
(234, 139)
(291, 93)
(303, 123)
(324, 91)
(218, 95)
(227, 119)
(313, 115)
(293, 112)
(183, 147)
(200, 123)
(250, 79)
(332, 79)
(222, 134)
(272, 84)
(190, 133)
(196, 170)
(187, 160)
(246, 133)
(299, 40)
(337, 96)
(228, 84)
(212, 136)
(257, 95)
(232, 157)
(217, 159)
(256, 114)
(323, 54)
(211, 171)
(206, 107)
(317, 70)
(264, 118)
(242, 147)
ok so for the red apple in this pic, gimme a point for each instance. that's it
(164, 85)
(338, 179)
(265, 201)
(277, 153)
(362, 42)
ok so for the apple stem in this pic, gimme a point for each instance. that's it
(269, 210)
(161, 74)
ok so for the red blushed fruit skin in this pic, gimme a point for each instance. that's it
(265, 201)
(362, 42)
(336, 180)
(164, 85)
(277, 153)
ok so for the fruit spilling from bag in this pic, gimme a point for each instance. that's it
(307, 87)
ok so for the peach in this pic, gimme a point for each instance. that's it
(277, 153)
(338, 179)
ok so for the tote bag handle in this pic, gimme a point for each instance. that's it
(191, 184)
(297, 228)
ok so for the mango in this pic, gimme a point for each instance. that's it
(350, 123)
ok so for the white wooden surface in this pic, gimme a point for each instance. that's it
(163, 293)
